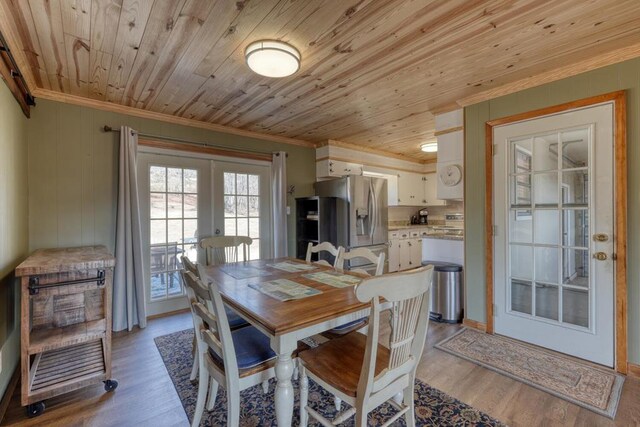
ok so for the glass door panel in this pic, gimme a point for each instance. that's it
(242, 205)
(548, 226)
(173, 213)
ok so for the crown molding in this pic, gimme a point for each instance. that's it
(146, 114)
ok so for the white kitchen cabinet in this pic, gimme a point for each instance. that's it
(416, 189)
(334, 168)
(451, 147)
(410, 189)
(405, 251)
(430, 187)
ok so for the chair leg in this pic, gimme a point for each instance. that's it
(213, 393)
(194, 368)
(265, 386)
(304, 395)
(202, 397)
(338, 402)
(233, 408)
(296, 374)
(410, 415)
(361, 418)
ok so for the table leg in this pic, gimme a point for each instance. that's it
(284, 389)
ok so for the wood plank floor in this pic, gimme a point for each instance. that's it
(146, 396)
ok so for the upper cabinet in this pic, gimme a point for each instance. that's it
(416, 189)
(335, 168)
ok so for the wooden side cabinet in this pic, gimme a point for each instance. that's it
(66, 322)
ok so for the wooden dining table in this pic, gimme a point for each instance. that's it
(285, 322)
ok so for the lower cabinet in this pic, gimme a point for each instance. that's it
(405, 251)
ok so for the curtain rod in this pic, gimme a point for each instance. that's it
(107, 128)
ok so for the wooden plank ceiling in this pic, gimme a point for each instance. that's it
(373, 72)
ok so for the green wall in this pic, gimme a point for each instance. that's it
(13, 227)
(625, 75)
(73, 171)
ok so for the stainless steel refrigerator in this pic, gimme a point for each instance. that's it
(362, 213)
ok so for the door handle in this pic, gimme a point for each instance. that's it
(217, 231)
(600, 256)
(600, 237)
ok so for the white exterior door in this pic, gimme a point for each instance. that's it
(554, 232)
(242, 205)
(184, 199)
(175, 203)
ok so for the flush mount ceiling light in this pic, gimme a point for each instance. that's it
(272, 58)
(429, 147)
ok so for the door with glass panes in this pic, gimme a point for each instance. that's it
(242, 205)
(185, 199)
(554, 232)
(175, 200)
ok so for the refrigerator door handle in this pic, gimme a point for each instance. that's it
(374, 213)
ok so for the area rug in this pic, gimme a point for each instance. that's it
(575, 380)
(433, 407)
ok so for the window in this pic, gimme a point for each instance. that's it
(242, 209)
(173, 203)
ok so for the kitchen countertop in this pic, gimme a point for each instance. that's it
(406, 227)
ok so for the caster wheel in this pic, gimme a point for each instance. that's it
(110, 385)
(35, 409)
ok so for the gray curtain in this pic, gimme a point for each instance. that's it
(279, 203)
(128, 283)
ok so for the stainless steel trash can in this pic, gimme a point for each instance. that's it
(447, 292)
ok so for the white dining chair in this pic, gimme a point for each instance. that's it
(364, 373)
(324, 247)
(224, 249)
(358, 324)
(365, 253)
(189, 265)
(236, 359)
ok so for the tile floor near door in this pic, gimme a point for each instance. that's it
(146, 395)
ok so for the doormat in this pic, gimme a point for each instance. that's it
(578, 381)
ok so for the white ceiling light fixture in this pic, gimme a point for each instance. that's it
(429, 147)
(272, 58)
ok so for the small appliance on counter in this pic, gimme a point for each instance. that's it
(423, 214)
(414, 220)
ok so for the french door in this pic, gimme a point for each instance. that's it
(242, 205)
(554, 275)
(185, 199)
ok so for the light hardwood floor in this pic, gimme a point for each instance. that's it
(146, 395)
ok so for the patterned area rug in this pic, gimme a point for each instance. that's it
(433, 407)
(577, 381)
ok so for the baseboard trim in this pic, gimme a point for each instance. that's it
(168, 313)
(8, 393)
(633, 370)
(474, 324)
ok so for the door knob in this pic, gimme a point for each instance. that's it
(600, 256)
(217, 231)
(600, 237)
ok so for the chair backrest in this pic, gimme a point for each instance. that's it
(365, 253)
(208, 309)
(223, 249)
(408, 293)
(327, 247)
(189, 265)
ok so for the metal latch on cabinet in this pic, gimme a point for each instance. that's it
(34, 282)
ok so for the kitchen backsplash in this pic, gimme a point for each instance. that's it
(401, 215)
